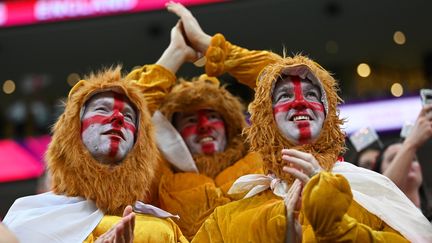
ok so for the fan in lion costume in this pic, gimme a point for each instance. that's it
(102, 158)
(296, 128)
(207, 121)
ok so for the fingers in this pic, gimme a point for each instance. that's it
(177, 9)
(426, 109)
(299, 154)
(119, 232)
(303, 161)
(307, 167)
(127, 210)
(293, 195)
(297, 174)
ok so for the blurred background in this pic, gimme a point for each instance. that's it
(380, 51)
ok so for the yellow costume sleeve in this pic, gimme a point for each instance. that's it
(148, 229)
(194, 196)
(243, 64)
(156, 82)
(257, 219)
(334, 216)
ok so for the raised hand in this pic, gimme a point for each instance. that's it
(293, 204)
(177, 51)
(198, 39)
(422, 129)
(123, 231)
(303, 165)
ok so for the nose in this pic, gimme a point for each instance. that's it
(300, 104)
(117, 119)
(203, 124)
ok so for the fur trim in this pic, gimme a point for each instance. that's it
(205, 92)
(76, 173)
(264, 135)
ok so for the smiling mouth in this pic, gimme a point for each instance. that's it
(114, 132)
(300, 118)
(206, 139)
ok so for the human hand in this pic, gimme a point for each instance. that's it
(178, 42)
(177, 51)
(422, 129)
(293, 204)
(198, 39)
(123, 231)
(304, 165)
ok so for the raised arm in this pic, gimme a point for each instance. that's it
(156, 80)
(420, 133)
(222, 56)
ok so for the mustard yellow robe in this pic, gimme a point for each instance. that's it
(262, 218)
(194, 196)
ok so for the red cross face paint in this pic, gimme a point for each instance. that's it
(108, 127)
(297, 109)
(203, 131)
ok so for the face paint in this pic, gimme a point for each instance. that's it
(203, 131)
(108, 127)
(298, 110)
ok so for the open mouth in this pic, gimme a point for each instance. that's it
(205, 139)
(114, 132)
(303, 117)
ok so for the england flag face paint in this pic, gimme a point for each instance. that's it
(108, 127)
(203, 131)
(297, 109)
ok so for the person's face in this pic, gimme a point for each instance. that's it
(414, 173)
(297, 109)
(203, 131)
(368, 158)
(108, 127)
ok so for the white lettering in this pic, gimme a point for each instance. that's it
(57, 9)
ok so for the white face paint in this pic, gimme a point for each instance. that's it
(203, 131)
(297, 109)
(108, 127)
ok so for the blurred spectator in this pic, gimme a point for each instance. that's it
(368, 146)
(398, 161)
(367, 157)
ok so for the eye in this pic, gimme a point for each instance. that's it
(129, 116)
(101, 108)
(213, 116)
(191, 120)
(282, 96)
(312, 95)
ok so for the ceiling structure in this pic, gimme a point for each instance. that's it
(338, 34)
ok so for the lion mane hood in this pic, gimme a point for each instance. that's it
(76, 173)
(264, 135)
(206, 93)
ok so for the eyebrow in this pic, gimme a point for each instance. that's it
(94, 102)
